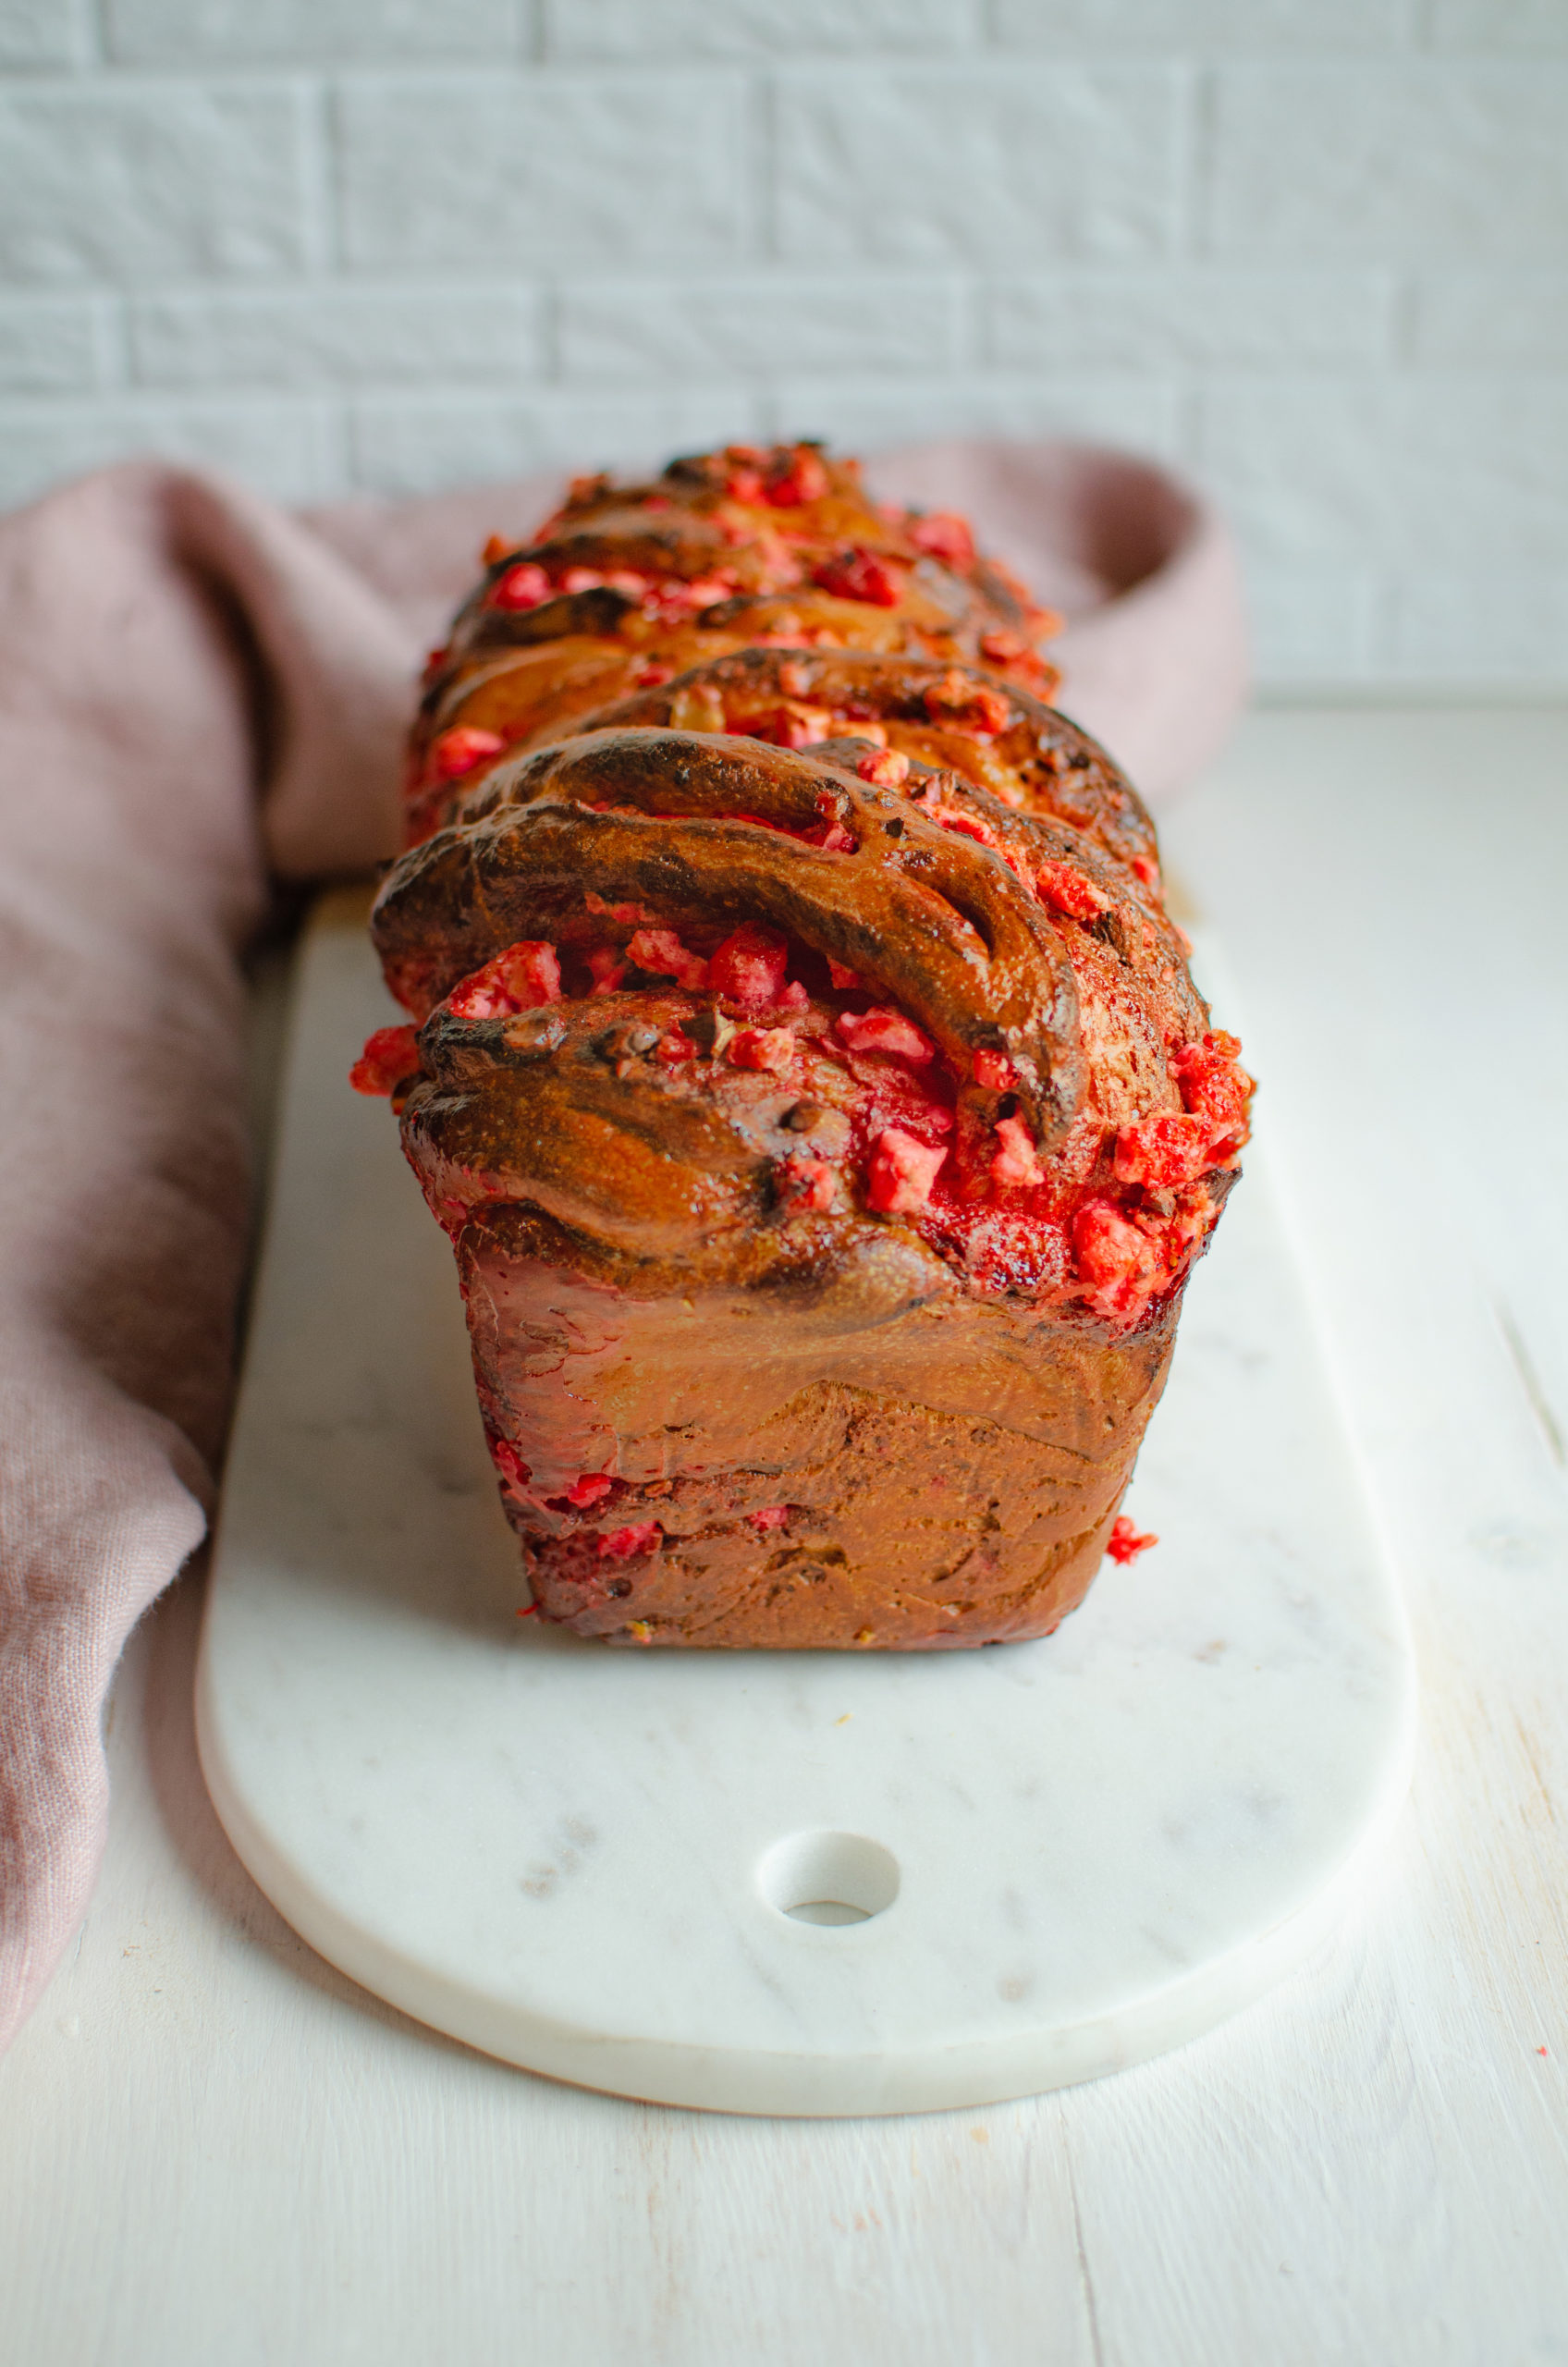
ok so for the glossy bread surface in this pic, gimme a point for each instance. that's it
(807, 1072)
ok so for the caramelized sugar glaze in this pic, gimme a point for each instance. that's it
(803, 1064)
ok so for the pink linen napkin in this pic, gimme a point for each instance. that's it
(197, 689)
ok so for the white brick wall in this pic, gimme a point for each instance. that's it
(1315, 250)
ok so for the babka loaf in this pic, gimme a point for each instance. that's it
(803, 1066)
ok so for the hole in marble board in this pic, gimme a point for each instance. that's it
(828, 1877)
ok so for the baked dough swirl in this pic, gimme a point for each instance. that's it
(803, 1065)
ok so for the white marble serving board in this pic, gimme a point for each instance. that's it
(1067, 1854)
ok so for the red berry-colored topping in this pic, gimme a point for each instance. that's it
(1065, 887)
(1211, 1081)
(1115, 1258)
(829, 833)
(888, 767)
(968, 826)
(606, 968)
(524, 586)
(660, 951)
(761, 1047)
(771, 1517)
(457, 752)
(856, 574)
(795, 477)
(1124, 1544)
(507, 1461)
(588, 1489)
(705, 591)
(882, 1030)
(806, 1182)
(748, 967)
(789, 726)
(675, 601)
(832, 838)
(1170, 1148)
(632, 915)
(522, 978)
(638, 1537)
(994, 1071)
(943, 534)
(1174, 1148)
(675, 1050)
(902, 1172)
(390, 1055)
(955, 699)
(846, 981)
(1016, 1165)
(653, 676)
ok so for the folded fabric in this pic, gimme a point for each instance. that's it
(197, 689)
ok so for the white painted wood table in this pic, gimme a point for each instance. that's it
(215, 2152)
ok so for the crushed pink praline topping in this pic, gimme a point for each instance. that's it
(588, 1489)
(459, 751)
(795, 477)
(1213, 1084)
(606, 968)
(807, 1183)
(955, 699)
(968, 826)
(1115, 1258)
(1065, 887)
(1016, 1164)
(1173, 1146)
(944, 534)
(856, 574)
(524, 586)
(390, 1055)
(900, 1172)
(882, 1029)
(749, 966)
(637, 1537)
(761, 1047)
(507, 1461)
(522, 978)
(1124, 1543)
(661, 952)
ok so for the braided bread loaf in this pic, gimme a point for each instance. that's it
(806, 1070)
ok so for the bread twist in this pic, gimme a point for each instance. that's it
(806, 1069)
